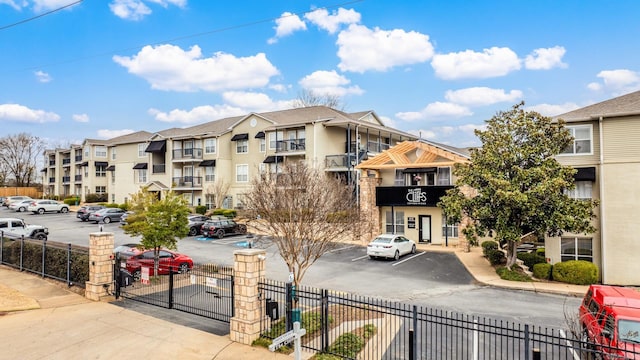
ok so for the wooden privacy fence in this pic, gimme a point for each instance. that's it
(22, 191)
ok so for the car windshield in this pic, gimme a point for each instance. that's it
(629, 331)
(382, 240)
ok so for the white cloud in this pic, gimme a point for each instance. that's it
(129, 9)
(361, 49)
(42, 5)
(83, 118)
(481, 96)
(329, 83)
(281, 88)
(387, 121)
(458, 136)
(594, 86)
(323, 20)
(168, 67)
(436, 110)
(199, 114)
(21, 113)
(545, 59)
(108, 134)
(42, 76)
(287, 24)
(621, 81)
(254, 102)
(13, 4)
(469, 64)
(552, 109)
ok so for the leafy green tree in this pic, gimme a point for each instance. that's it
(160, 222)
(514, 186)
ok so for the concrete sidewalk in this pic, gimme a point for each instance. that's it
(41, 319)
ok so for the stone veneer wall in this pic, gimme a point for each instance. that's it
(368, 208)
(100, 265)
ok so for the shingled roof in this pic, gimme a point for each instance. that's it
(625, 105)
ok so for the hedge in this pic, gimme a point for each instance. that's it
(488, 246)
(542, 271)
(578, 272)
(496, 257)
(530, 259)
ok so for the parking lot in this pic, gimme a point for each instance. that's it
(428, 278)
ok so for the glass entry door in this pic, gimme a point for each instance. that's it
(424, 228)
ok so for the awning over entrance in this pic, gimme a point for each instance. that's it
(585, 174)
(158, 146)
(237, 137)
(102, 163)
(111, 168)
(260, 135)
(273, 159)
(205, 163)
(140, 166)
(420, 170)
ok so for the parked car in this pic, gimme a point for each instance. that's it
(85, 210)
(195, 223)
(222, 227)
(43, 206)
(610, 319)
(106, 215)
(390, 246)
(8, 200)
(168, 261)
(20, 205)
(123, 218)
(126, 251)
(15, 228)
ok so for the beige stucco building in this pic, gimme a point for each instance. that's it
(199, 161)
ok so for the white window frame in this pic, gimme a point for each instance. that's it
(242, 173)
(263, 145)
(113, 153)
(575, 255)
(397, 226)
(100, 151)
(444, 176)
(141, 149)
(242, 145)
(571, 149)
(87, 151)
(582, 191)
(209, 174)
(210, 145)
(141, 176)
(273, 139)
(451, 229)
(101, 171)
(99, 188)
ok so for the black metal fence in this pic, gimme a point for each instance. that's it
(205, 290)
(352, 326)
(65, 262)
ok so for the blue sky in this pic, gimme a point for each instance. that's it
(102, 68)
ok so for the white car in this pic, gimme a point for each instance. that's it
(20, 205)
(390, 246)
(43, 206)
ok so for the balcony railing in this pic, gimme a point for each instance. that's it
(158, 169)
(290, 145)
(371, 146)
(52, 180)
(78, 178)
(78, 158)
(66, 161)
(187, 181)
(52, 162)
(66, 179)
(193, 153)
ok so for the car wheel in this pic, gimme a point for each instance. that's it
(396, 256)
(107, 220)
(136, 275)
(220, 234)
(64, 210)
(83, 219)
(21, 209)
(372, 257)
(41, 236)
(184, 267)
(413, 249)
(193, 231)
(40, 211)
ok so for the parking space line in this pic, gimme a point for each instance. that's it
(575, 354)
(407, 259)
(360, 258)
(342, 248)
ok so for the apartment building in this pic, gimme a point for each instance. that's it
(400, 190)
(200, 160)
(606, 153)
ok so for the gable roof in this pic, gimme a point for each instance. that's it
(625, 105)
(428, 154)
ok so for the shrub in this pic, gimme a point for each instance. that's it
(95, 198)
(496, 257)
(540, 252)
(542, 271)
(577, 272)
(488, 246)
(530, 259)
(201, 209)
(109, 205)
(347, 345)
(124, 206)
(512, 275)
(72, 201)
(230, 213)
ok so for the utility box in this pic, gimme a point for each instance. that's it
(125, 278)
(272, 309)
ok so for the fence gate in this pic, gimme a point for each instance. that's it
(205, 290)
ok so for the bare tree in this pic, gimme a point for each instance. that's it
(307, 98)
(305, 212)
(19, 153)
(219, 189)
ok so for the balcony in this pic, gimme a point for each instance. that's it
(290, 145)
(158, 169)
(52, 180)
(187, 154)
(66, 179)
(78, 158)
(188, 182)
(371, 146)
(66, 162)
(78, 178)
(52, 163)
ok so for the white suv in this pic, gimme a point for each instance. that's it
(43, 206)
(16, 228)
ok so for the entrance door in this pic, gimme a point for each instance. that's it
(424, 228)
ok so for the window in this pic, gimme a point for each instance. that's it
(141, 148)
(113, 177)
(444, 176)
(399, 180)
(394, 222)
(581, 140)
(582, 190)
(141, 176)
(87, 151)
(242, 173)
(101, 151)
(227, 202)
(113, 153)
(273, 139)
(242, 146)
(263, 145)
(101, 189)
(101, 171)
(449, 230)
(209, 201)
(575, 248)
(209, 174)
(210, 146)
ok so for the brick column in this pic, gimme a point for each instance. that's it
(100, 265)
(249, 268)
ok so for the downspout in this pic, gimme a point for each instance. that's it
(603, 233)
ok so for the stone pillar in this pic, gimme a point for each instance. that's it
(249, 269)
(100, 265)
(368, 207)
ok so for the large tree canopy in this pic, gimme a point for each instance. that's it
(18, 155)
(518, 186)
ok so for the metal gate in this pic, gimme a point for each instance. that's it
(205, 290)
